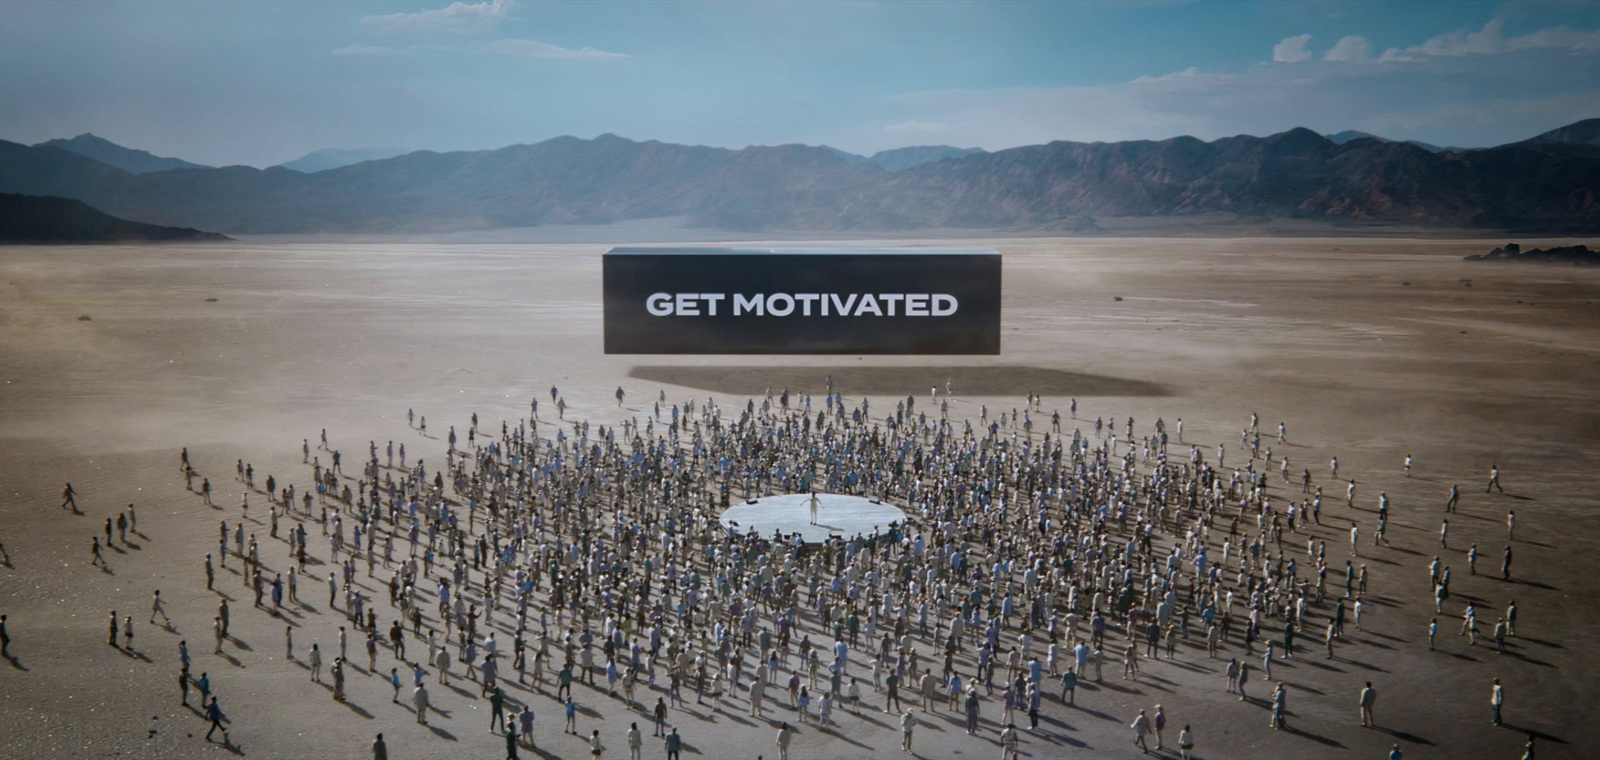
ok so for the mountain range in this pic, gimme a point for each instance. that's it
(1548, 184)
(1353, 134)
(333, 158)
(898, 159)
(43, 219)
(127, 159)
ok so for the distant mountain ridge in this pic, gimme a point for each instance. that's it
(900, 159)
(44, 219)
(127, 159)
(849, 158)
(1548, 185)
(333, 158)
(1353, 134)
(1586, 132)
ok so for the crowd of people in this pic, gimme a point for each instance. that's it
(554, 554)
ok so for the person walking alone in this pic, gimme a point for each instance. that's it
(1497, 697)
(215, 715)
(785, 735)
(157, 609)
(1141, 726)
(419, 699)
(1368, 698)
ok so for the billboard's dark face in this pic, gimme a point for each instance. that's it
(781, 303)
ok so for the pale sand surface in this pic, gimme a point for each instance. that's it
(837, 515)
(1320, 333)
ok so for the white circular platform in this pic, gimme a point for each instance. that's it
(837, 515)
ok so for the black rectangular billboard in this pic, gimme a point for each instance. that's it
(802, 301)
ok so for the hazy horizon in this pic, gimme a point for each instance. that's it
(261, 84)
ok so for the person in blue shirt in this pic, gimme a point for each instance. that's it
(1279, 706)
(1033, 707)
(674, 744)
(215, 715)
(526, 717)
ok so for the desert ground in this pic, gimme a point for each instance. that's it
(1367, 349)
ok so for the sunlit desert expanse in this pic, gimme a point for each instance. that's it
(113, 359)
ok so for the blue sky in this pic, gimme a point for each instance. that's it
(261, 83)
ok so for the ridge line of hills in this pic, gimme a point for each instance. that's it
(136, 161)
(1548, 184)
(47, 219)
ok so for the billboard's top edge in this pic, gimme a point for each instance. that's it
(841, 251)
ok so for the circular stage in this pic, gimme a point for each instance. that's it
(837, 515)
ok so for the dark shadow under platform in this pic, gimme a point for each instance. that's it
(753, 380)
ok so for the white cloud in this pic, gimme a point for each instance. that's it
(1186, 78)
(1439, 96)
(1557, 37)
(1461, 100)
(1351, 49)
(913, 125)
(456, 17)
(545, 50)
(359, 49)
(1292, 49)
(1483, 42)
(1491, 40)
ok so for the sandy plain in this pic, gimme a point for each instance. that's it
(1368, 349)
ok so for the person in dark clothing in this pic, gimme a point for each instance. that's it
(214, 714)
(497, 704)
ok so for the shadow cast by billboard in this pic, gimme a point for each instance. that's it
(753, 380)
